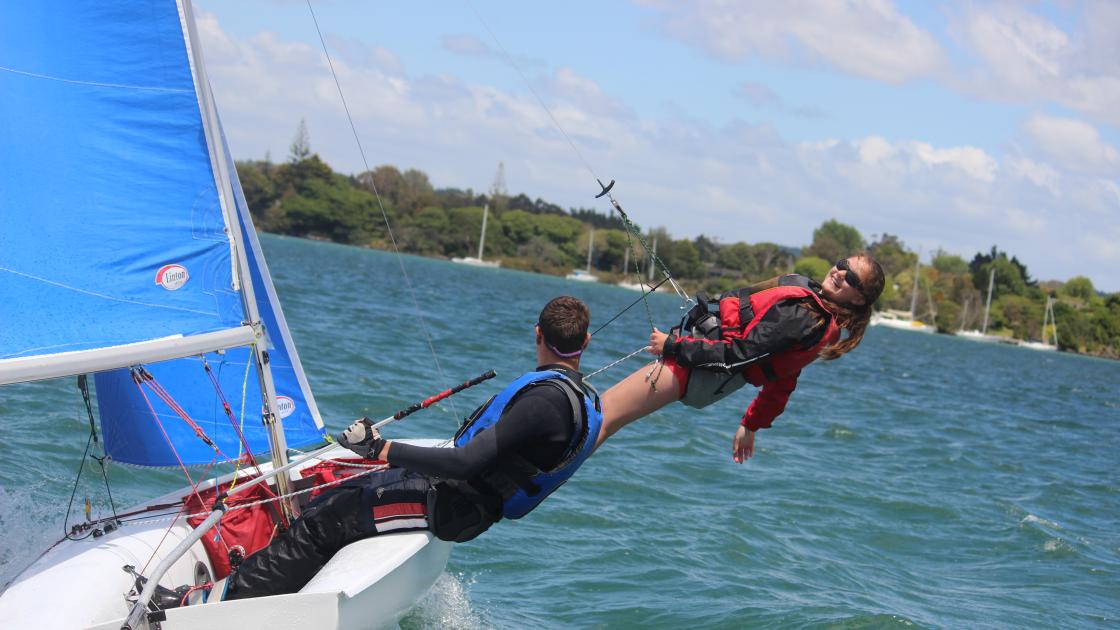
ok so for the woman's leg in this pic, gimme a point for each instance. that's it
(633, 397)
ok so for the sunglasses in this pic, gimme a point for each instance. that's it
(851, 277)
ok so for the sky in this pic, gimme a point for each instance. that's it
(954, 125)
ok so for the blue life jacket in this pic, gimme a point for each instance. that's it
(522, 485)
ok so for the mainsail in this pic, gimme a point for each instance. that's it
(121, 220)
(113, 242)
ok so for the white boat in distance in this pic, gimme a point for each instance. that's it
(585, 275)
(141, 267)
(902, 320)
(1047, 317)
(478, 261)
(982, 334)
(891, 319)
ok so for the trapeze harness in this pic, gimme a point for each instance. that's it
(521, 485)
(737, 314)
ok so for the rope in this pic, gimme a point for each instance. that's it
(610, 365)
(380, 204)
(372, 468)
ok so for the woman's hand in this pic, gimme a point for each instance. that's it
(657, 342)
(742, 447)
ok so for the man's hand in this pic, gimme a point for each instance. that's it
(742, 447)
(657, 342)
(362, 438)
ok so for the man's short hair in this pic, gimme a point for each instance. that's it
(564, 322)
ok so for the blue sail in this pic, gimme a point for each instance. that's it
(113, 235)
(111, 230)
(133, 435)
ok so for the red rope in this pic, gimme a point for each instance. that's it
(229, 414)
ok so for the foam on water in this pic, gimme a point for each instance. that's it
(447, 605)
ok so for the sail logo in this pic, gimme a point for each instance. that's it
(172, 277)
(285, 406)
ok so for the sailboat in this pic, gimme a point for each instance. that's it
(128, 252)
(1047, 319)
(633, 286)
(903, 320)
(478, 261)
(982, 334)
(581, 275)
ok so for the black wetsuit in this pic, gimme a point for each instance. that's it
(427, 488)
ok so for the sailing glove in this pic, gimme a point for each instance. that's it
(362, 438)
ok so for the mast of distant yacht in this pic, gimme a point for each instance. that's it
(914, 294)
(988, 305)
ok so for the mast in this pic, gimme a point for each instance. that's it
(652, 256)
(964, 313)
(242, 276)
(914, 294)
(988, 305)
(1048, 316)
(625, 264)
(482, 239)
(1053, 321)
(590, 244)
(932, 308)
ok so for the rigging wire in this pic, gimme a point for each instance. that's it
(380, 204)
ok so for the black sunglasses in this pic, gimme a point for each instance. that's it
(851, 277)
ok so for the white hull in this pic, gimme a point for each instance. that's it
(1035, 345)
(903, 324)
(580, 275)
(633, 286)
(81, 584)
(976, 335)
(476, 262)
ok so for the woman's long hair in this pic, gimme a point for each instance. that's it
(855, 319)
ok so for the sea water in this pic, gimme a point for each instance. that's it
(921, 481)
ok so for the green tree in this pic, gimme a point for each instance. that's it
(892, 255)
(259, 191)
(945, 262)
(834, 240)
(1079, 287)
(683, 259)
(948, 316)
(519, 226)
(300, 148)
(738, 257)
(707, 249)
(812, 266)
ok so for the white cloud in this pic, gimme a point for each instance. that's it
(1025, 58)
(867, 38)
(1073, 145)
(1037, 173)
(971, 160)
(874, 150)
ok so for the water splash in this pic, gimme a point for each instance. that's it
(447, 606)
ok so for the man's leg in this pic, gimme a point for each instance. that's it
(393, 500)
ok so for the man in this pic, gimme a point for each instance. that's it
(509, 456)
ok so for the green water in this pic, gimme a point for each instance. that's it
(922, 481)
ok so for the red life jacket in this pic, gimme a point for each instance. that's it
(788, 362)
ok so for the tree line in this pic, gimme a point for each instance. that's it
(304, 197)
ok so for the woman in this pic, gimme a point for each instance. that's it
(763, 335)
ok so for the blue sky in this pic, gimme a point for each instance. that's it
(954, 125)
